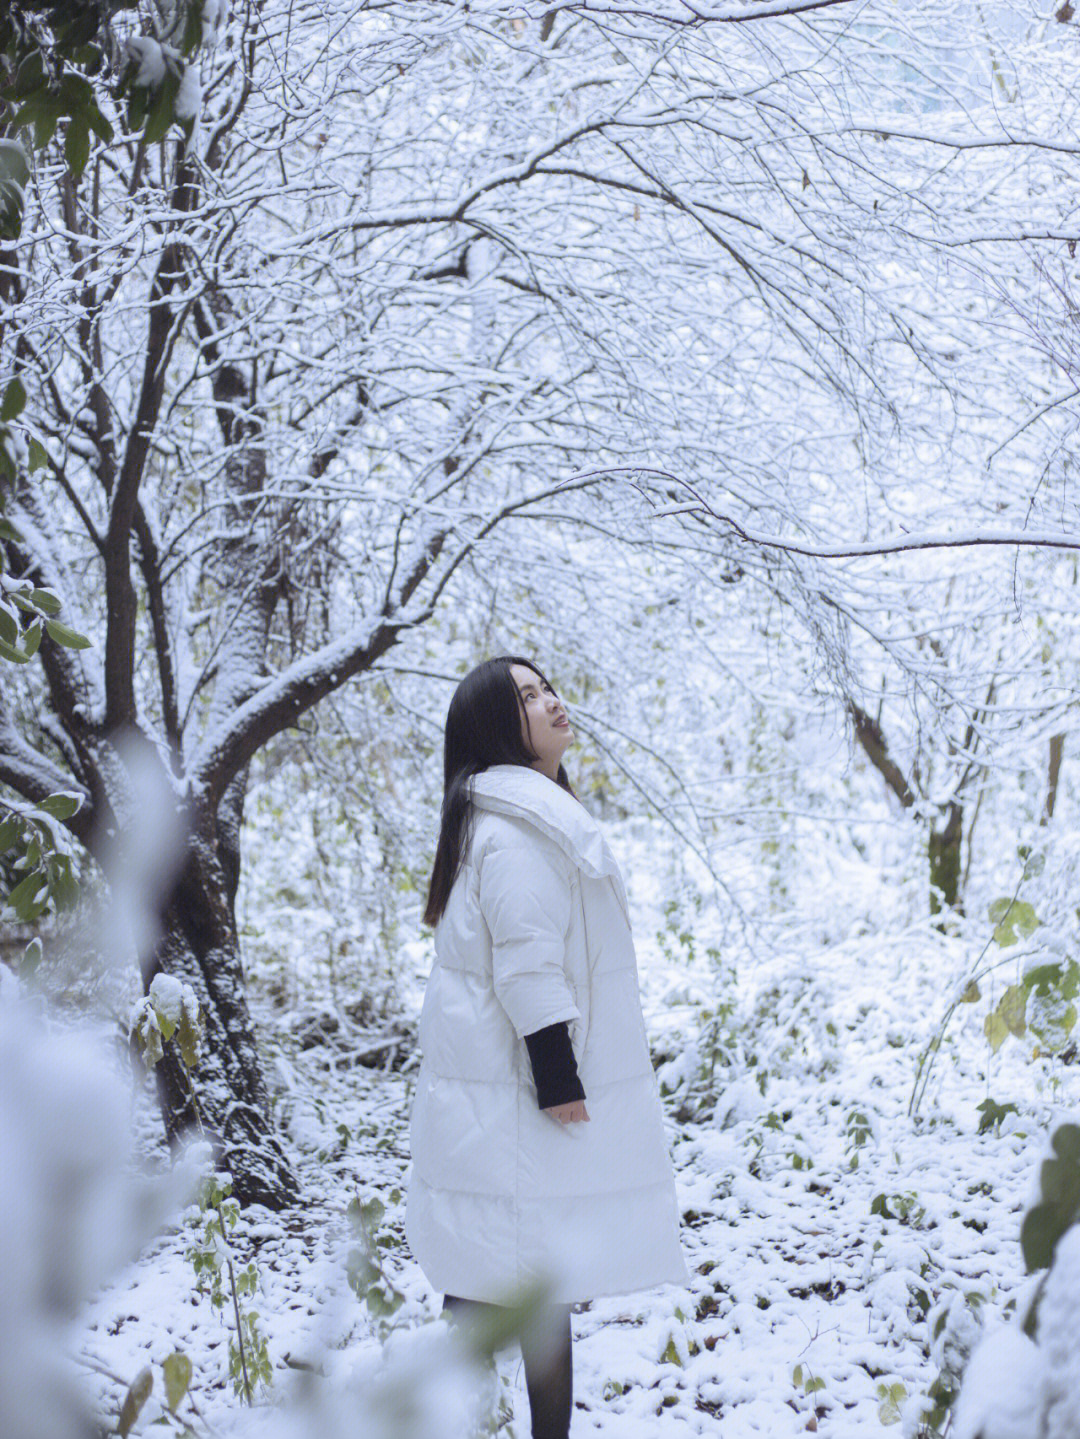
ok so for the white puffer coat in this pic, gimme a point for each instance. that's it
(536, 930)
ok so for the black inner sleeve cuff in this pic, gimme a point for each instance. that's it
(553, 1065)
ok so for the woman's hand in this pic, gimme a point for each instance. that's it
(568, 1113)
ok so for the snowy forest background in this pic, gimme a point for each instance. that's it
(723, 356)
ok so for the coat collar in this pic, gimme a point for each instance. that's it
(525, 793)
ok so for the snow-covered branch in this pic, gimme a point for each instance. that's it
(953, 540)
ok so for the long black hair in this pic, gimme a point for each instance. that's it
(483, 727)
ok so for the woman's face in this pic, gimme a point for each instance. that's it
(544, 724)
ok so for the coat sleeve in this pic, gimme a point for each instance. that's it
(525, 898)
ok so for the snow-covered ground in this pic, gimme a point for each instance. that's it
(844, 1255)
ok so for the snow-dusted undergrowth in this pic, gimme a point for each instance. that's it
(845, 1256)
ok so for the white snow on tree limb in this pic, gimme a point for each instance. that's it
(149, 55)
(189, 95)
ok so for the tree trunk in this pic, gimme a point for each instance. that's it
(944, 842)
(200, 946)
(1053, 776)
(944, 849)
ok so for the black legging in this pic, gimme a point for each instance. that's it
(549, 1376)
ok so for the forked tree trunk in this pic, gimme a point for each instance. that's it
(945, 840)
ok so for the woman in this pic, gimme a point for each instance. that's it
(538, 1150)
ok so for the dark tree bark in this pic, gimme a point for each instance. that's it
(945, 840)
(944, 845)
(1053, 776)
(201, 947)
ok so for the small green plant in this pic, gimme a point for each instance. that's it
(675, 940)
(213, 1260)
(1057, 1210)
(858, 1131)
(809, 1384)
(169, 1013)
(176, 1372)
(1041, 999)
(992, 1114)
(790, 1143)
(364, 1265)
(41, 874)
(1052, 1406)
(904, 1208)
(954, 1325)
(890, 1398)
(681, 1339)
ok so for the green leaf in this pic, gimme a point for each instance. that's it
(62, 805)
(77, 144)
(138, 97)
(177, 1371)
(75, 93)
(1061, 979)
(11, 406)
(66, 637)
(134, 1400)
(880, 1205)
(992, 1114)
(165, 1025)
(46, 117)
(32, 639)
(29, 896)
(99, 124)
(188, 1038)
(892, 1397)
(971, 992)
(39, 455)
(14, 166)
(382, 1302)
(1059, 1205)
(671, 1353)
(1012, 1006)
(9, 626)
(80, 27)
(1043, 978)
(26, 114)
(161, 113)
(1009, 916)
(46, 601)
(9, 832)
(66, 891)
(360, 1272)
(995, 1029)
(9, 652)
(32, 956)
(193, 30)
(1052, 1020)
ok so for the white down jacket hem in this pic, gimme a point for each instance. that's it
(501, 1195)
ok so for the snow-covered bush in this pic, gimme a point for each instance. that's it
(72, 1208)
(1023, 1380)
